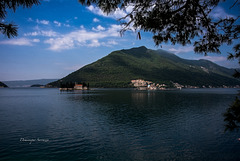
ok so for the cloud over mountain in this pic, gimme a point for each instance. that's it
(83, 37)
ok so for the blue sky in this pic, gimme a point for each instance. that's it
(61, 36)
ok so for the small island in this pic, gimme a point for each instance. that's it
(38, 85)
(2, 85)
(69, 86)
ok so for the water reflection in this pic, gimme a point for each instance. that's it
(153, 124)
(143, 97)
(118, 125)
(139, 108)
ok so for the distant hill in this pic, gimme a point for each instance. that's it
(119, 67)
(2, 85)
(28, 83)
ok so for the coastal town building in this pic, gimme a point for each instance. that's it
(141, 84)
(78, 86)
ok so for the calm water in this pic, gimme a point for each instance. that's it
(113, 124)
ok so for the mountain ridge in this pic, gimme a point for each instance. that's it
(118, 68)
(28, 83)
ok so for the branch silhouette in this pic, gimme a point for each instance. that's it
(9, 29)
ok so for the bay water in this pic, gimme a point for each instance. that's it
(116, 124)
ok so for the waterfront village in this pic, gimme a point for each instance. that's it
(149, 85)
(139, 84)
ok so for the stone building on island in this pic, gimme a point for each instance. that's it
(69, 86)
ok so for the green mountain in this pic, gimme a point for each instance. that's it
(120, 67)
(2, 85)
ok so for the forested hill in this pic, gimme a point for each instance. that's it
(120, 67)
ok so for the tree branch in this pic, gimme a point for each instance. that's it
(233, 4)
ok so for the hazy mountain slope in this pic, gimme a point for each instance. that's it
(28, 83)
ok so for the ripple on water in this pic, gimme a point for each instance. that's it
(117, 125)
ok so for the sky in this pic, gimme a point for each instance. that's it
(58, 37)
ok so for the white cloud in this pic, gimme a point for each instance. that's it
(49, 33)
(112, 42)
(20, 42)
(182, 49)
(96, 20)
(82, 27)
(44, 22)
(109, 43)
(82, 37)
(35, 40)
(94, 43)
(66, 25)
(129, 8)
(30, 20)
(96, 10)
(32, 34)
(99, 28)
(214, 58)
(219, 12)
(117, 14)
(114, 30)
(57, 23)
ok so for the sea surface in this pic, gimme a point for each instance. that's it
(116, 125)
